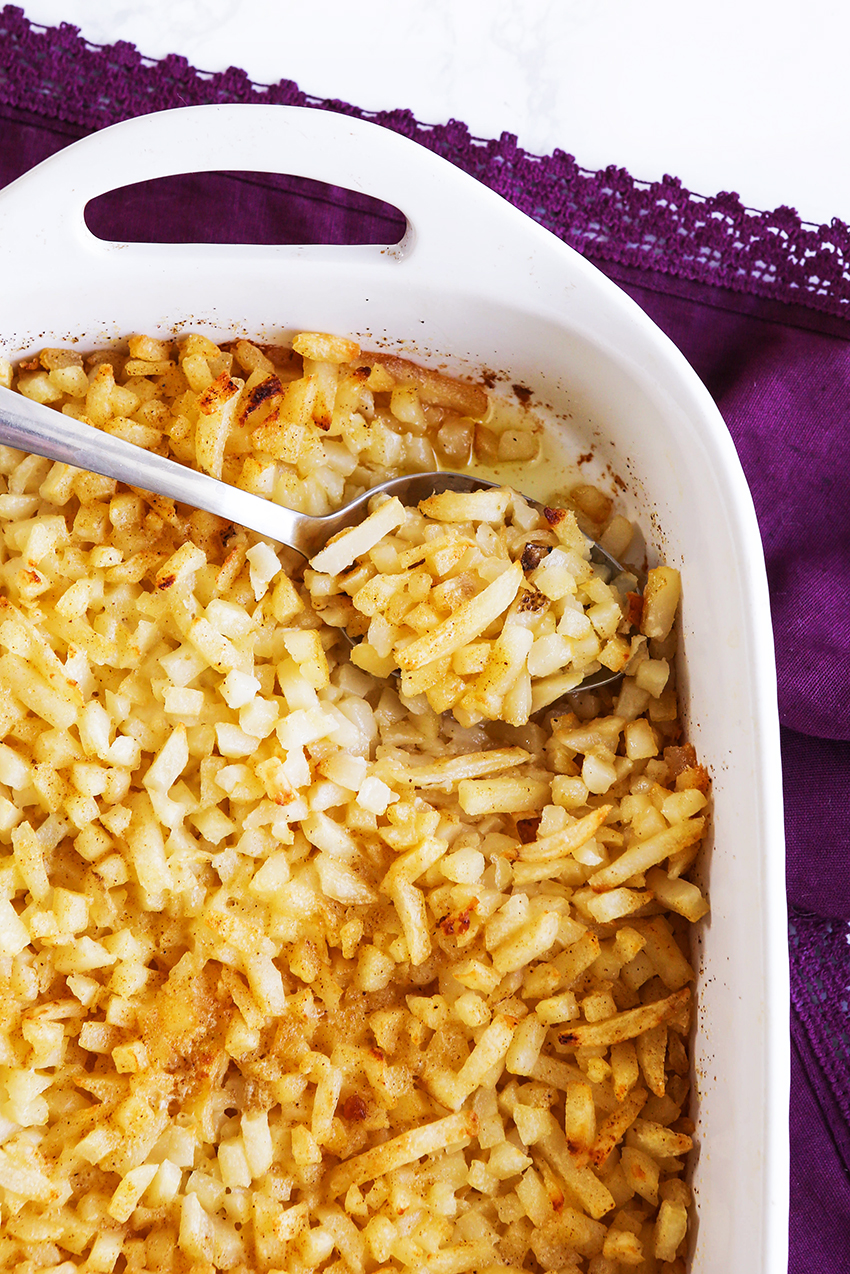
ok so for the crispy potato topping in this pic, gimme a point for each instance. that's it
(298, 971)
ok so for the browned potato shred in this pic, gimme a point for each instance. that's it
(440, 391)
(298, 971)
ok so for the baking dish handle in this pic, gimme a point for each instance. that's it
(438, 200)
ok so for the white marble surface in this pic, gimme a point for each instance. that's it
(744, 95)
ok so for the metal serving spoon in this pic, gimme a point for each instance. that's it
(32, 427)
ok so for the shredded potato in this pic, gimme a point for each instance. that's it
(298, 971)
(486, 564)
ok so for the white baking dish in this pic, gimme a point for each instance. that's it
(477, 284)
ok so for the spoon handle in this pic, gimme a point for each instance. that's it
(32, 427)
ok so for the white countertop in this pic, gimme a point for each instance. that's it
(740, 95)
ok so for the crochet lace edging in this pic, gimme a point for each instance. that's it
(606, 214)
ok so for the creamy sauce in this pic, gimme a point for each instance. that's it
(554, 470)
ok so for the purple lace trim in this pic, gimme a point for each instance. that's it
(608, 214)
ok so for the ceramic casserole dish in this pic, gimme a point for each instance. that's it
(475, 284)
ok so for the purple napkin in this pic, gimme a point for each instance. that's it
(759, 303)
